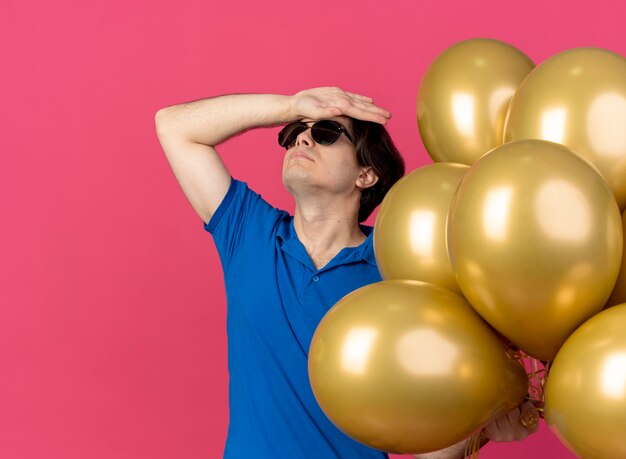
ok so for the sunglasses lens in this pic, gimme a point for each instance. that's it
(326, 132)
(287, 136)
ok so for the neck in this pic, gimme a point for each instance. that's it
(326, 226)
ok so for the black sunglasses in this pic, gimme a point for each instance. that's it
(324, 132)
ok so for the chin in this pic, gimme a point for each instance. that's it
(297, 179)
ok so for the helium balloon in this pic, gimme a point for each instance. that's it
(577, 98)
(464, 96)
(535, 239)
(619, 291)
(409, 367)
(585, 402)
(409, 233)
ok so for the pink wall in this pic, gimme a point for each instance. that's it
(112, 314)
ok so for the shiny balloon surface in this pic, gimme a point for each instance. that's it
(409, 234)
(464, 96)
(577, 98)
(409, 367)
(619, 291)
(585, 402)
(535, 239)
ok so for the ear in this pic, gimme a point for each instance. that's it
(367, 178)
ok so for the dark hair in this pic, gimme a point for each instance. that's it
(375, 149)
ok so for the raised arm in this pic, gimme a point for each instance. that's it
(190, 132)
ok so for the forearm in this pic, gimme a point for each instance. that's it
(456, 451)
(214, 120)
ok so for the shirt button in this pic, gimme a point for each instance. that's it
(316, 278)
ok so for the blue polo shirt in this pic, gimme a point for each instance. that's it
(276, 297)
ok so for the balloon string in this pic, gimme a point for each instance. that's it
(537, 371)
(472, 446)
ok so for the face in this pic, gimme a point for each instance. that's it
(308, 165)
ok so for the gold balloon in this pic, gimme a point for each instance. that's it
(619, 291)
(464, 96)
(585, 402)
(409, 367)
(577, 98)
(535, 239)
(409, 233)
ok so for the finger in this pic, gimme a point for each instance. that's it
(517, 430)
(370, 114)
(494, 432)
(360, 97)
(529, 417)
(324, 111)
(348, 105)
(509, 430)
(522, 421)
(367, 116)
(513, 417)
(503, 423)
(373, 108)
(490, 430)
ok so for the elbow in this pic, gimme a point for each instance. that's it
(162, 121)
(159, 117)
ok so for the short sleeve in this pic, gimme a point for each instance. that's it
(242, 221)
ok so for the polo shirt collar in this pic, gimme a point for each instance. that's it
(287, 239)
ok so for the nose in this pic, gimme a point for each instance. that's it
(305, 138)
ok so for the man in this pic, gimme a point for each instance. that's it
(283, 273)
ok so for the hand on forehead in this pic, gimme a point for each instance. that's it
(343, 120)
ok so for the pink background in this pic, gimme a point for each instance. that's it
(112, 311)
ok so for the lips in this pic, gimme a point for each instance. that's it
(300, 154)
